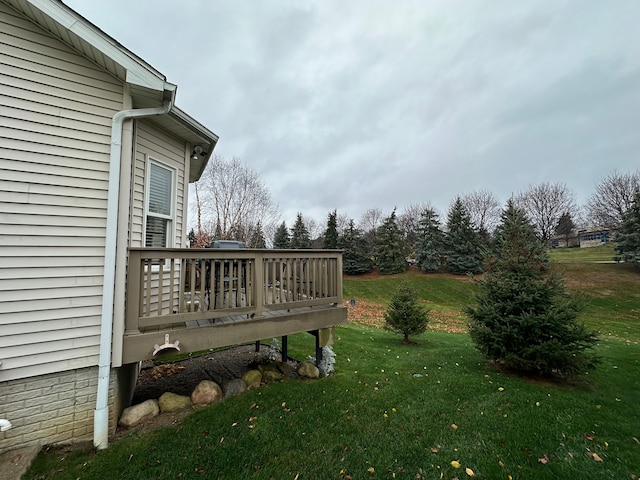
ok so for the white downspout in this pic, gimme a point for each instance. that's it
(101, 413)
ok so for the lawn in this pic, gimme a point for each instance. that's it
(394, 411)
(604, 253)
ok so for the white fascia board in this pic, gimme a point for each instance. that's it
(138, 72)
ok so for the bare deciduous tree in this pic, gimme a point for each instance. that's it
(483, 208)
(370, 220)
(545, 203)
(233, 196)
(409, 222)
(612, 198)
(314, 228)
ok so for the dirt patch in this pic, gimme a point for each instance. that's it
(183, 376)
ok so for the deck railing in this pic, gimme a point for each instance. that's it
(176, 287)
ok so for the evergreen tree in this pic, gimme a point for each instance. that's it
(464, 254)
(430, 249)
(331, 233)
(390, 249)
(281, 238)
(355, 257)
(524, 318)
(628, 240)
(300, 237)
(405, 314)
(257, 239)
(565, 227)
(218, 232)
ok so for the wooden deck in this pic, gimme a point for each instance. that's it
(208, 298)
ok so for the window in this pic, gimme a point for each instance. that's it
(160, 210)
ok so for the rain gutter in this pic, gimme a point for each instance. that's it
(101, 412)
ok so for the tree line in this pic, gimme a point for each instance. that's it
(232, 202)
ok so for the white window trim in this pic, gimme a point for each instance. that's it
(171, 233)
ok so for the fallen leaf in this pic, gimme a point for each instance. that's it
(544, 460)
(455, 464)
(595, 456)
(454, 426)
(501, 389)
(587, 436)
(469, 472)
(371, 469)
(636, 440)
(435, 449)
(16, 458)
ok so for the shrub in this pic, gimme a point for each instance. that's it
(404, 313)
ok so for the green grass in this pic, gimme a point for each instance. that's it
(603, 253)
(389, 409)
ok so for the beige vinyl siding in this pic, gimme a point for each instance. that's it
(157, 144)
(55, 133)
(154, 143)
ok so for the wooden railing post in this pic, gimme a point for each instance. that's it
(133, 293)
(258, 284)
(339, 277)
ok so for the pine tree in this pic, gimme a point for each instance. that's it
(464, 254)
(355, 257)
(523, 317)
(390, 249)
(331, 233)
(565, 227)
(430, 248)
(257, 239)
(281, 238)
(300, 237)
(628, 240)
(405, 314)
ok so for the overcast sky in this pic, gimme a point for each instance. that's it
(351, 105)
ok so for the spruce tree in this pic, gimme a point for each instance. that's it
(300, 237)
(628, 239)
(430, 247)
(331, 233)
(523, 318)
(565, 227)
(355, 257)
(390, 249)
(257, 239)
(464, 253)
(404, 314)
(281, 237)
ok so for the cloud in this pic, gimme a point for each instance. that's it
(379, 104)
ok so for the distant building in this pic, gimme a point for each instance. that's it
(588, 237)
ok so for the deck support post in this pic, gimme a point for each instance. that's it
(285, 342)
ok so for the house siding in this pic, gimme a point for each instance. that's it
(55, 133)
(155, 143)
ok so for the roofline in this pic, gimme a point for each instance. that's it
(138, 72)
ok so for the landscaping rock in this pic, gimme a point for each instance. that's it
(270, 372)
(234, 387)
(285, 368)
(138, 413)
(308, 370)
(170, 402)
(206, 392)
(252, 378)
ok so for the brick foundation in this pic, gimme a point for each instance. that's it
(54, 408)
